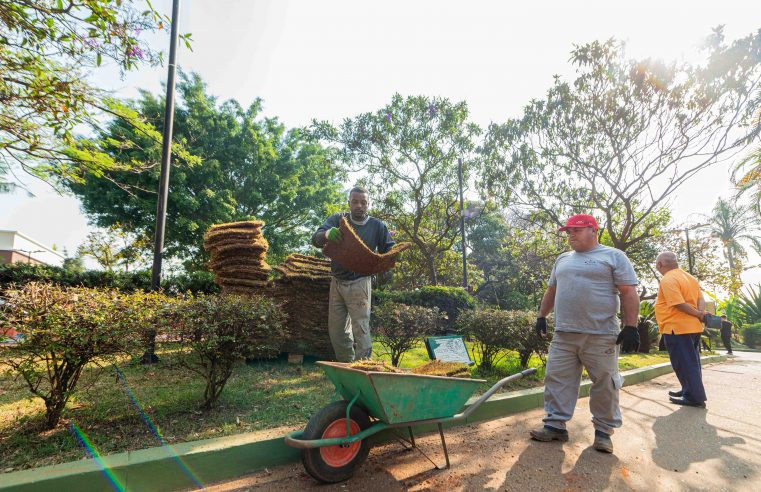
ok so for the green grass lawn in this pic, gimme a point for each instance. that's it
(117, 417)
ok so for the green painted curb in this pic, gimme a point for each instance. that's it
(185, 465)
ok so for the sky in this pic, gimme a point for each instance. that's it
(328, 60)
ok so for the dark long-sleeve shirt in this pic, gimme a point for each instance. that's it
(373, 233)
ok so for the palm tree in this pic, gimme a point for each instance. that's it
(747, 174)
(749, 180)
(733, 224)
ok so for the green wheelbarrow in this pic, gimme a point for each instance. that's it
(335, 441)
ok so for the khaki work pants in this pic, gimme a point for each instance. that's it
(349, 319)
(569, 353)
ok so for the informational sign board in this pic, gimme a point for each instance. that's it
(448, 349)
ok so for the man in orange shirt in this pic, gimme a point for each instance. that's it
(679, 311)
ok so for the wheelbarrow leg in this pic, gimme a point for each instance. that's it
(412, 437)
(443, 445)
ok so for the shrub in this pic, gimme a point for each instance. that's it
(400, 326)
(487, 329)
(750, 304)
(522, 337)
(751, 335)
(495, 332)
(218, 332)
(64, 328)
(449, 300)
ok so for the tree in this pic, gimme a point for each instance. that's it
(707, 264)
(409, 152)
(733, 224)
(622, 137)
(747, 174)
(516, 257)
(46, 50)
(73, 264)
(248, 166)
(114, 246)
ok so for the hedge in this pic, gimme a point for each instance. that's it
(21, 274)
(450, 300)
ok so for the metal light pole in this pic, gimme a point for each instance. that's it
(166, 156)
(689, 251)
(462, 230)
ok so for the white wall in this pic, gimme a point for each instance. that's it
(16, 241)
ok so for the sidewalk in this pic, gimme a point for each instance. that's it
(660, 447)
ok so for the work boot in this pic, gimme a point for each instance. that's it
(603, 442)
(548, 433)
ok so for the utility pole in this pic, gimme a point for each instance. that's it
(149, 357)
(689, 251)
(462, 230)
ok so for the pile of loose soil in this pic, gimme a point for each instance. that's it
(369, 365)
(439, 368)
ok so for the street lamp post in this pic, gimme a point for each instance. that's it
(149, 357)
(689, 251)
(462, 229)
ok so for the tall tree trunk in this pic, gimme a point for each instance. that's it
(431, 265)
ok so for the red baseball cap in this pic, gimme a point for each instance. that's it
(580, 220)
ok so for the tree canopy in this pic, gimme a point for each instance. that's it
(248, 166)
(623, 136)
(409, 152)
(47, 49)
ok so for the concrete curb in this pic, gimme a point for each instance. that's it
(188, 465)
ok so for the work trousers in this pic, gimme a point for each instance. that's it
(726, 339)
(569, 353)
(349, 319)
(685, 360)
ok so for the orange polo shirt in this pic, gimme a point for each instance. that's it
(677, 287)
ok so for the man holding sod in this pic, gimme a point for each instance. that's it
(349, 303)
(584, 290)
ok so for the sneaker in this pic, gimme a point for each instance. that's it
(602, 442)
(675, 394)
(547, 434)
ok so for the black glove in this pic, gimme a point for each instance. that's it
(541, 326)
(629, 339)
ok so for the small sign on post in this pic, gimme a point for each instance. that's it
(448, 349)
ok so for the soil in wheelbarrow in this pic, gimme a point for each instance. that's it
(432, 368)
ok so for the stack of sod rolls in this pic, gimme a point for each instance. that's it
(302, 290)
(238, 252)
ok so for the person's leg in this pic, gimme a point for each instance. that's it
(338, 326)
(600, 357)
(676, 362)
(358, 303)
(726, 339)
(688, 360)
(562, 379)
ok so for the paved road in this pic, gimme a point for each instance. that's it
(660, 447)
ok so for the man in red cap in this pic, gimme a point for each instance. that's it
(584, 290)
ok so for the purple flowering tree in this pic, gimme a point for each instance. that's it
(48, 48)
(408, 152)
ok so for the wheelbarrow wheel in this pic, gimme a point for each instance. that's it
(332, 464)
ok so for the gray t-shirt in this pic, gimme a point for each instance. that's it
(586, 298)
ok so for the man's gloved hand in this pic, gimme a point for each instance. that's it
(629, 339)
(541, 326)
(333, 234)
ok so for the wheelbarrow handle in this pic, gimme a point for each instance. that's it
(472, 408)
